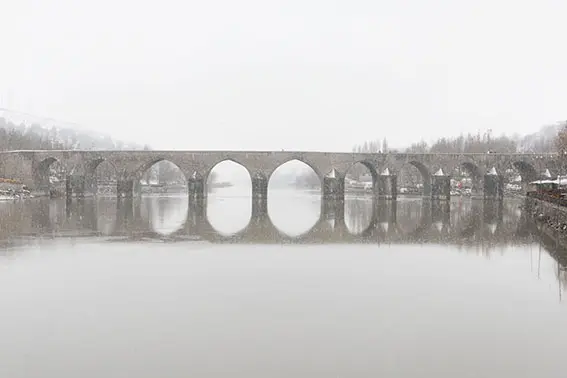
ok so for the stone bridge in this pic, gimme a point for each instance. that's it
(482, 223)
(485, 169)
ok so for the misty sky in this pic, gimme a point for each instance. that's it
(303, 75)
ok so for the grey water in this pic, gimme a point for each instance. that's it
(161, 287)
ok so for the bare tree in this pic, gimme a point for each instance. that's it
(561, 139)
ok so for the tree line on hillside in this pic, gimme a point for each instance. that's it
(471, 143)
(71, 138)
(21, 138)
(35, 137)
(552, 138)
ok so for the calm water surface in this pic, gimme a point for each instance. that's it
(158, 288)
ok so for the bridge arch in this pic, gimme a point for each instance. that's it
(42, 174)
(300, 171)
(475, 174)
(357, 170)
(472, 169)
(160, 174)
(101, 176)
(93, 164)
(423, 171)
(227, 162)
(293, 160)
(527, 170)
(44, 164)
(140, 170)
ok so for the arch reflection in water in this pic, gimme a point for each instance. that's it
(413, 214)
(229, 198)
(483, 224)
(359, 213)
(166, 214)
(228, 210)
(294, 215)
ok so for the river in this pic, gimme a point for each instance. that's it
(155, 287)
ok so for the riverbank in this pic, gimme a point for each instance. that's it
(549, 218)
(13, 191)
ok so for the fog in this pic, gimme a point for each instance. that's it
(302, 75)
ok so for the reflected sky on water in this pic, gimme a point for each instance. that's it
(160, 286)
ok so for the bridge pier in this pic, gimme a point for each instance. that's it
(332, 209)
(124, 215)
(137, 188)
(125, 188)
(385, 214)
(386, 211)
(259, 195)
(75, 184)
(259, 207)
(492, 211)
(91, 185)
(441, 187)
(196, 188)
(441, 212)
(196, 216)
(493, 187)
(387, 186)
(198, 207)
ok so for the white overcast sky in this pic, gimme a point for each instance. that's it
(302, 75)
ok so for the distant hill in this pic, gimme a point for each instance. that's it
(68, 137)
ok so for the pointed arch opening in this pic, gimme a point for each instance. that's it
(414, 179)
(229, 178)
(517, 176)
(161, 177)
(294, 198)
(526, 170)
(466, 179)
(294, 176)
(51, 177)
(229, 197)
(361, 179)
(104, 177)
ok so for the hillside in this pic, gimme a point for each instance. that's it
(17, 134)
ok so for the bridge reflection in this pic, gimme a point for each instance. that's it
(481, 223)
